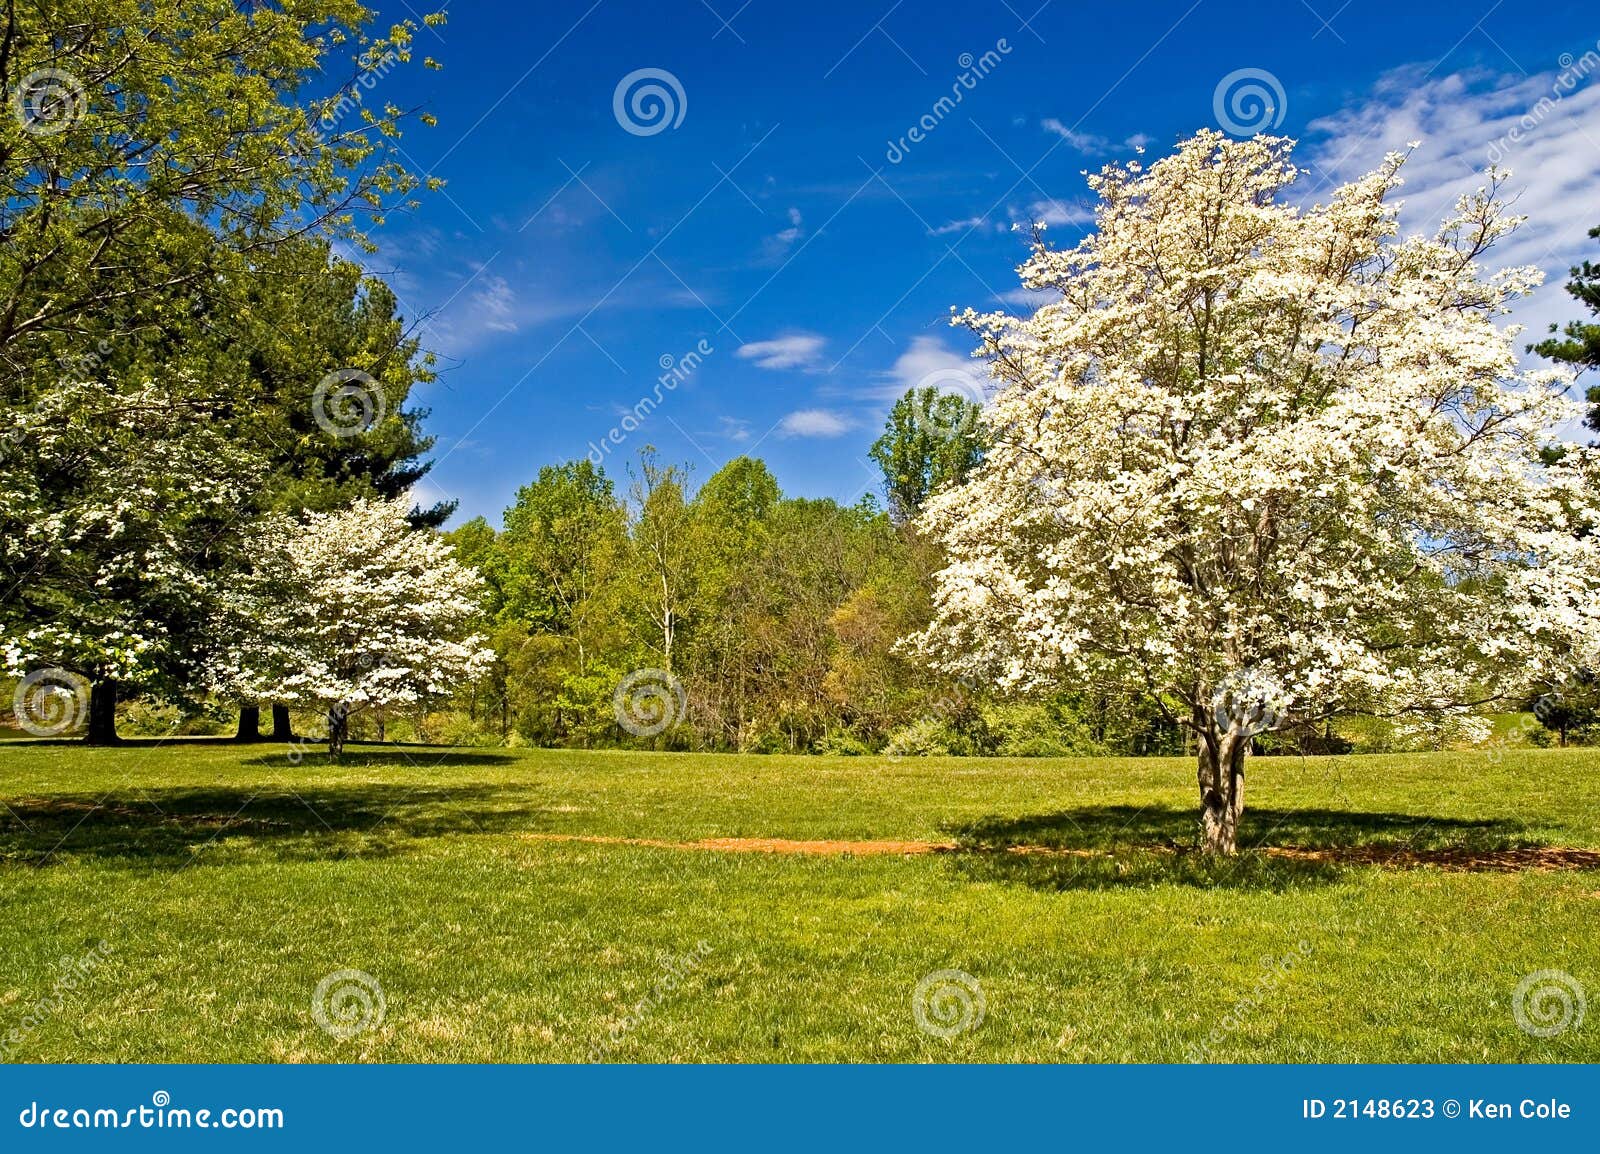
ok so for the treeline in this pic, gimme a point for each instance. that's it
(724, 615)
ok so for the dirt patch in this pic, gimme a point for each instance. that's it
(1540, 858)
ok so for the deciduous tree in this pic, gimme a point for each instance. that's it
(1262, 459)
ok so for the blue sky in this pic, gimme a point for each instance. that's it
(784, 219)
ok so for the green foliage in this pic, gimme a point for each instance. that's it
(931, 439)
(1579, 341)
(1571, 711)
(189, 142)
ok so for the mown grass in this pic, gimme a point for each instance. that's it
(227, 881)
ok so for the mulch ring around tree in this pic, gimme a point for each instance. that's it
(1538, 858)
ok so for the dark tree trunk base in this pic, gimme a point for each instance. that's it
(282, 726)
(249, 723)
(102, 714)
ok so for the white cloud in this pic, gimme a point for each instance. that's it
(1055, 213)
(969, 224)
(815, 423)
(775, 247)
(796, 351)
(1464, 123)
(929, 362)
(1085, 142)
(495, 304)
(734, 429)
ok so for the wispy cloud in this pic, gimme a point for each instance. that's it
(1086, 142)
(795, 351)
(495, 304)
(1544, 129)
(815, 423)
(775, 247)
(971, 223)
(1056, 213)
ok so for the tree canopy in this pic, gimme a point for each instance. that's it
(1261, 461)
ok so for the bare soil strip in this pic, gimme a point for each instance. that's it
(1542, 858)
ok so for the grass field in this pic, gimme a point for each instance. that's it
(226, 882)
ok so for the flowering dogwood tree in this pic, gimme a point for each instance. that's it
(1264, 461)
(118, 519)
(350, 610)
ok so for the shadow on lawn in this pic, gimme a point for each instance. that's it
(162, 827)
(1102, 847)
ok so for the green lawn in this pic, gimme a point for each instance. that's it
(226, 882)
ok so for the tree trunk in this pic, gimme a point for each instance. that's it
(1222, 763)
(383, 726)
(282, 725)
(102, 714)
(249, 723)
(338, 729)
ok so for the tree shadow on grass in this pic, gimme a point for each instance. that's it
(1102, 847)
(164, 827)
(310, 757)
